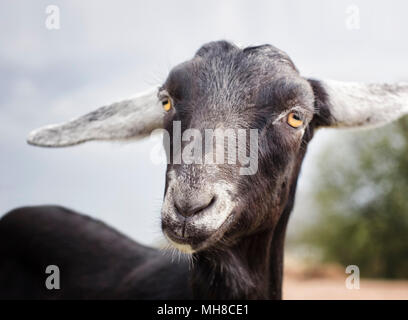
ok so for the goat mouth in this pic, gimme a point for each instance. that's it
(199, 239)
(186, 244)
(204, 227)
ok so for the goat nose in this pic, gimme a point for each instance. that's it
(190, 207)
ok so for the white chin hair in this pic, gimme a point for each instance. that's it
(185, 248)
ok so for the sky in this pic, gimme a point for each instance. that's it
(107, 50)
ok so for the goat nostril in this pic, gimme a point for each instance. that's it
(205, 206)
(178, 210)
(190, 209)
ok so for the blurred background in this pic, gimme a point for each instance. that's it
(352, 200)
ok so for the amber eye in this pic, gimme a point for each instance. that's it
(295, 120)
(166, 104)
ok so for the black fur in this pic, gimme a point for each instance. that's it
(222, 84)
(95, 261)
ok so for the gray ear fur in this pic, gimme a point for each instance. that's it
(131, 118)
(353, 104)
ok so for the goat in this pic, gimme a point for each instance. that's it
(231, 224)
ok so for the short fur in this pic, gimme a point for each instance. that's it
(238, 257)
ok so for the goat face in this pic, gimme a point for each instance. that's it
(224, 87)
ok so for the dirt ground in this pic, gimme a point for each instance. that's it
(335, 289)
(328, 282)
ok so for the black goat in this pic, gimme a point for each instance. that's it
(230, 216)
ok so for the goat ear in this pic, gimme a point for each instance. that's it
(352, 104)
(132, 118)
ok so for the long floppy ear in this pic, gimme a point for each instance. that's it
(352, 104)
(132, 118)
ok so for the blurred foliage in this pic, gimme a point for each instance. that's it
(362, 202)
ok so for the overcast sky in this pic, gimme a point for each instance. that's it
(107, 50)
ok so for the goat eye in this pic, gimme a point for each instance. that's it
(295, 120)
(166, 104)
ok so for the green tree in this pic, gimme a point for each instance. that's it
(362, 202)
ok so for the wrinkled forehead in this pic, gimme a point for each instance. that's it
(226, 76)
